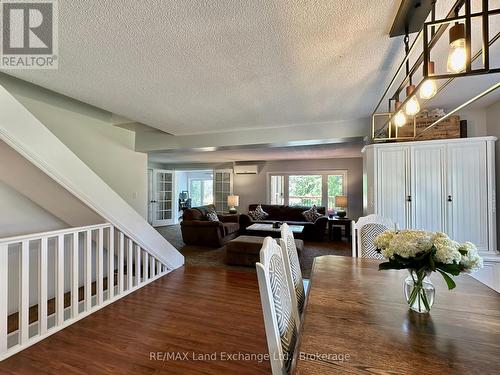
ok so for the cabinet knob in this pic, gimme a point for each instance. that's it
(450, 199)
(409, 198)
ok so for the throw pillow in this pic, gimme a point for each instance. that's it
(212, 215)
(258, 213)
(311, 214)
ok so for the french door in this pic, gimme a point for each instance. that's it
(223, 187)
(162, 202)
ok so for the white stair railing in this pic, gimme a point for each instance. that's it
(91, 266)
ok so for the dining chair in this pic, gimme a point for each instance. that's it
(280, 315)
(292, 268)
(364, 232)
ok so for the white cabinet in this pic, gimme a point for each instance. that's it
(393, 182)
(428, 187)
(441, 185)
(467, 199)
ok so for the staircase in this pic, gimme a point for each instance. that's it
(106, 254)
(89, 266)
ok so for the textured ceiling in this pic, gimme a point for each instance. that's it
(339, 150)
(190, 67)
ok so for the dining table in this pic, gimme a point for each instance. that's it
(356, 321)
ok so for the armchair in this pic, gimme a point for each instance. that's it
(198, 230)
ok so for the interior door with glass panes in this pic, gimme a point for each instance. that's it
(223, 186)
(163, 197)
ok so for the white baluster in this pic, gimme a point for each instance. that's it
(111, 263)
(146, 268)
(152, 267)
(129, 263)
(24, 288)
(145, 273)
(60, 280)
(137, 264)
(74, 276)
(100, 268)
(42, 286)
(4, 280)
(88, 271)
(121, 262)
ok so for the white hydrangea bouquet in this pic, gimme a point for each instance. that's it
(423, 252)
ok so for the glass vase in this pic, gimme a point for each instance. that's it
(419, 291)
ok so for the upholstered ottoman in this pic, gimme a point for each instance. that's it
(245, 250)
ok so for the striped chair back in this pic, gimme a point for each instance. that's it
(280, 316)
(292, 267)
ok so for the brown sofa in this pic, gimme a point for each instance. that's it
(291, 215)
(198, 230)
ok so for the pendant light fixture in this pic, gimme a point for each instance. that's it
(457, 56)
(461, 24)
(412, 106)
(428, 89)
(399, 118)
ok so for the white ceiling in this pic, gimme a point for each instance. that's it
(194, 67)
(327, 151)
(190, 66)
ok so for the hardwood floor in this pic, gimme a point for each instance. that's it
(195, 310)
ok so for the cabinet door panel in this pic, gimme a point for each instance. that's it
(428, 187)
(467, 188)
(391, 186)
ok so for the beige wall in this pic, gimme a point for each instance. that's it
(14, 219)
(32, 202)
(89, 133)
(476, 122)
(253, 188)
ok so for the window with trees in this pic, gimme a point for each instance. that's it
(201, 191)
(306, 189)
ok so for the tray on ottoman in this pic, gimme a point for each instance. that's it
(244, 250)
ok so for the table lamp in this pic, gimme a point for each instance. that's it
(232, 202)
(341, 202)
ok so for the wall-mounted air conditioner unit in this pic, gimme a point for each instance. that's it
(246, 169)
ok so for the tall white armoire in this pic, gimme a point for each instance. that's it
(440, 185)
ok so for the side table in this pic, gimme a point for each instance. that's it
(344, 222)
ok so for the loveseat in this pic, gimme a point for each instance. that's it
(292, 215)
(198, 230)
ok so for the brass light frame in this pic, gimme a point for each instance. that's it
(424, 60)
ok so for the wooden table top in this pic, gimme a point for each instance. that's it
(357, 322)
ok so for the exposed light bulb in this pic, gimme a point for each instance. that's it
(412, 107)
(457, 56)
(399, 119)
(428, 89)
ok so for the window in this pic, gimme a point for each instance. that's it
(277, 189)
(335, 187)
(306, 189)
(201, 191)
